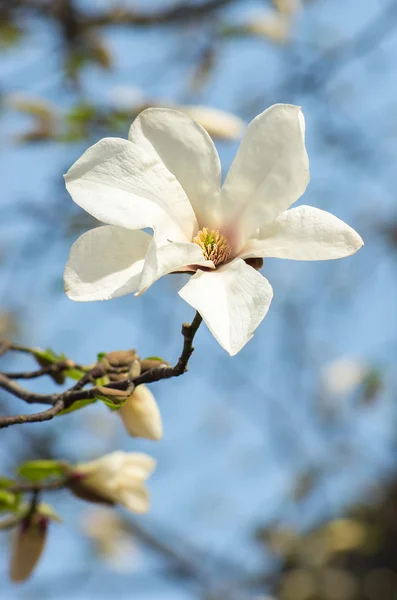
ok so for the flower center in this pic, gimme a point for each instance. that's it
(214, 245)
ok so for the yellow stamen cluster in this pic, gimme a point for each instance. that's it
(214, 245)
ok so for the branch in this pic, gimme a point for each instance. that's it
(176, 14)
(48, 370)
(45, 415)
(40, 486)
(60, 401)
(188, 332)
(30, 397)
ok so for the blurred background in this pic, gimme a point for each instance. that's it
(276, 476)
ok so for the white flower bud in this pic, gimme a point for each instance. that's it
(27, 546)
(116, 478)
(141, 415)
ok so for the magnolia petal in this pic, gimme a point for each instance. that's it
(232, 300)
(304, 233)
(141, 415)
(167, 259)
(136, 499)
(186, 150)
(104, 467)
(270, 171)
(105, 262)
(120, 184)
(138, 466)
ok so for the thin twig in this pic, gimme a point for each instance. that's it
(48, 370)
(39, 486)
(46, 415)
(60, 401)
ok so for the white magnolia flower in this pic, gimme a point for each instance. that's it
(141, 415)
(116, 478)
(167, 177)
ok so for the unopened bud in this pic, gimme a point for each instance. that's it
(28, 545)
(116, 478)
(141, 415)
(115, 396)
(151, 363)
(121, 358)
(78, 486)
(57, 377)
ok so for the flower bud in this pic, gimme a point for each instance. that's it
(152, 363)
(141, 416)
(121, 358)
(116, 478)
(28, 545)
(114, 396)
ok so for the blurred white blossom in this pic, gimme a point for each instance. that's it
(116, 478)
(111, 540)
(219, 123)
(343, 375)
(167, 177)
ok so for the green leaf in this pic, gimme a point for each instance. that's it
(75, 374)
(8, 501)
(82, 114)
(155, 358)
(100, 356)
(76, 406)
(113, 405)
(5, 482)
(49, 356)
(35, 470)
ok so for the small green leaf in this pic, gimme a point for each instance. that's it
(155, 358)
(100, 356)
(5, 482)
(114, 405)
(76, 406)
(35, 470)
(8, 501)
(49, 356)
(75, 374)
(48, 511)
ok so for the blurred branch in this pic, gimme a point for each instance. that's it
(362, 43)
(48, 370)
(66, 12)
(174, 14)
(46, 415)
(66, 399)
